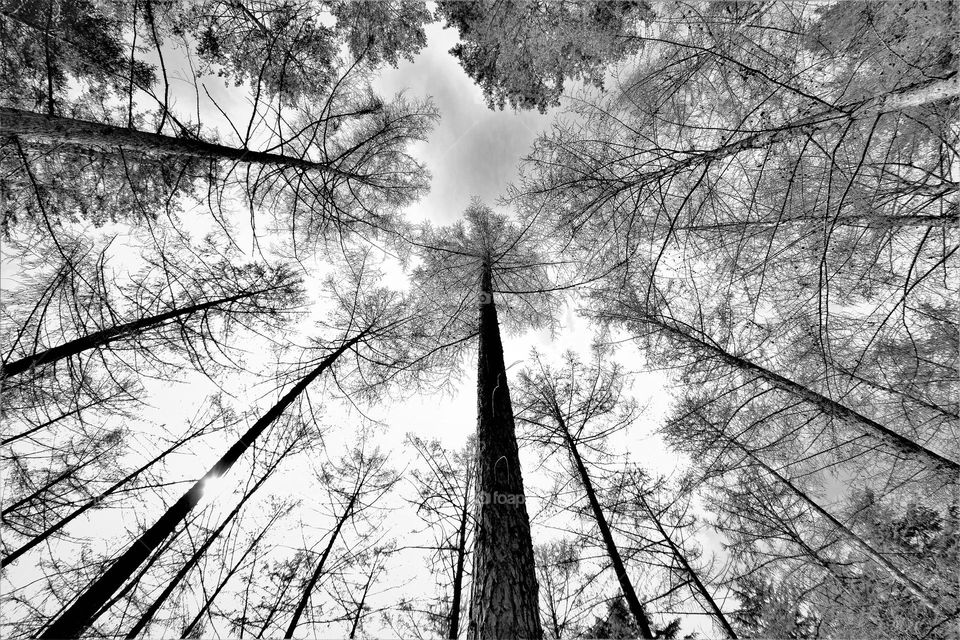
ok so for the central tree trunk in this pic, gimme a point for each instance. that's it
(503, 600)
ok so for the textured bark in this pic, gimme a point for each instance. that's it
(81, 613)
(106, 336)
(104, 137)
(830, 407)
(633, 602)
(503, 601)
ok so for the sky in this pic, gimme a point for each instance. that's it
(473, 151)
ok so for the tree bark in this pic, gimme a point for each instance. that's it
(626, 586)
(104, 137)
(830, 407)
(106, 336)
(75, 619)
(503, 601)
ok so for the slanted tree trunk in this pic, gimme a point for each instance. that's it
(106, 336)
(223, 583)
(690, 571)
(916, 94)
(363, 601)
(857, 541)
(75, 619)
(503, 602)
(201, 551)
(830, 407)
(92, 503)
(626, 586)
(52, 421)
(315, 576)
(104, 137)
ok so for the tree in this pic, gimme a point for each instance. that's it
(768, 611)
(366, 479)
(491, 257)
(563, 583)
(522, 52)
(100, 499)
(667, 520)
(446, 501)
(564, 406)
(723, 206)
(198, 290)
(317, 139)
(187, 567)
(51, 43)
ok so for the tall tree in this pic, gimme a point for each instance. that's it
(366, 478)
(574, 407)
(481, 260)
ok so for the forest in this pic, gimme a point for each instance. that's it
(487, 320)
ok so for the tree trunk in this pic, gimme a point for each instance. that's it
(104, 137)
(503, 601)
(315, 577)
(682, 559)
(75, 619)
(919, 93)
(454, 631)
(105, 336)
(200, 552)
(363, 600)
(859, 542)
(89, 505)
(830, 407)
(612, 552)
(43, 425)
(223, 583)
